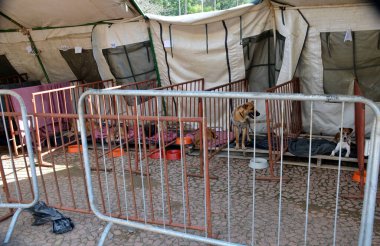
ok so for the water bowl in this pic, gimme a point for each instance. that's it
(156, 155)
(74, 148)
(258, 163)
(356, 176)
(173, 154)
(116, 152)
(186, 141)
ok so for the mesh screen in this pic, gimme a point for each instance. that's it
(131, 63)
(83, 65)
(343, 61)
(262, 61)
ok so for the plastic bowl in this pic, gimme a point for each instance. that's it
(173, 154)
(74, 148)
(356, 176)
(186, 140)
(259, 163)
(156, 155)
(116, 152)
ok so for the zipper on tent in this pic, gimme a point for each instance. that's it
(228, 60)
(282, 14)
(226, 47)
(171, 40)
(241, 31)
(206, 38)
(328, 43)
(248, 50)
(166, 53)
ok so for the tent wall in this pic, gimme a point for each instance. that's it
(109, 36)
(185, 50)
(13, 45)
(48, 42)
(310, 69)
(197, 53)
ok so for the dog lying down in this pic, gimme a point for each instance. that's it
(346, 141)
(210, 135)
(240, 122)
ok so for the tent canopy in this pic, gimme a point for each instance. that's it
(57, 13)
(49, 13)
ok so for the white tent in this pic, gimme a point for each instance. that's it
(55, 26)
(209, 45)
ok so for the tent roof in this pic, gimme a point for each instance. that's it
(56, 13)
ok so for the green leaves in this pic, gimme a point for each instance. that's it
(176, 7)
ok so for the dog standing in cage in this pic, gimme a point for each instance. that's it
(240, 122)
(346, 141)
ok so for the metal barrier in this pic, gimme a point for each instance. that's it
(166, 196)
(58, 145)
(284, 122)
(19, 179)
(218, 117)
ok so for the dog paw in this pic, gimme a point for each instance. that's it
(243, 147)
(237, 147)
(332, 153)
(347, 155)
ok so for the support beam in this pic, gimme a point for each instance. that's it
(32, 44)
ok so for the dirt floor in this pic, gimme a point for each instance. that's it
(119, 188)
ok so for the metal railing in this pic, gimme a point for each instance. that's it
(115, 198)
(17, 192)
(284, 122)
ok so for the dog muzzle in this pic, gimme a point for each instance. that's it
(252, 115)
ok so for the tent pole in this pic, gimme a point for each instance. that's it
(36, 52)
(32, 44)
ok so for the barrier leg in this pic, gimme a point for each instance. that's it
(105, 233)
(12, 225)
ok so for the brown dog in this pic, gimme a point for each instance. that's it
(240, 122)
(210, 135)
(346, 141)
(72, 126)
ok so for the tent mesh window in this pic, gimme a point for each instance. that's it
(131, 63)
(262, 60)
(6, 69)
(83, 65)
(345, 60)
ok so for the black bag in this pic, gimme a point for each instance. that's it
(43, 214)
(62, 225)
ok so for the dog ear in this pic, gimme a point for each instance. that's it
(340, 129)
(245, 106)
(350, 130)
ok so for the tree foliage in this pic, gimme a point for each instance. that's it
(177, 7)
